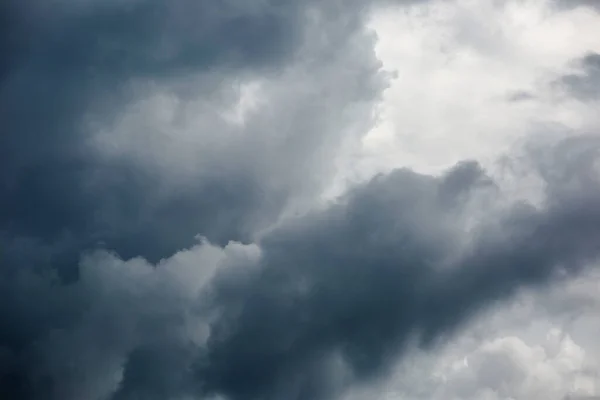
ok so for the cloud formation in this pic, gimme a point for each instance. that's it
(320, 302)
(86, 158)
(541, 344)
(585, 86)
(132, 129)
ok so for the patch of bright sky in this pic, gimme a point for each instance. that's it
(472, 78)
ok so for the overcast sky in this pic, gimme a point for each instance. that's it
(299, 200)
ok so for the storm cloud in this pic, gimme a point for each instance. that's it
(162, 228)
(73, 71)
(321, 301)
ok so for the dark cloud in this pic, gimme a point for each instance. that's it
(585, 86)
(69, 64)
(321, 301)
(324, 301)
(71, 72)
(67, 60)
(365, 277)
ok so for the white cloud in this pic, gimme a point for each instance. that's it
(474, 77)
(542, 345)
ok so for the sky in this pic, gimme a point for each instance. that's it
(303, 200)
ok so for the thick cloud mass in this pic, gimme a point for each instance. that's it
(72, 70)
(363, 277)
(132, 128)
(322, 301)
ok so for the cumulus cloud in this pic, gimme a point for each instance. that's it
(459, 64)
(167, 224)
(502, 367)
(321, 301)
(121, 119)
(539, 345)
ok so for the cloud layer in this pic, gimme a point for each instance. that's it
(165, 229)
(321, 301)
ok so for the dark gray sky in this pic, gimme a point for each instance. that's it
(167, 223)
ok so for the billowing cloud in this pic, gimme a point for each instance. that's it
(167, 222)
(539, 345)
(95, 95)
(322, 300)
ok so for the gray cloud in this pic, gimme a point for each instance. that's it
(69, 60)
(577, 3)
(71, 73)
(374, 267)
(585, 86)
(322, 302)
(74, 63)
(520, 96)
